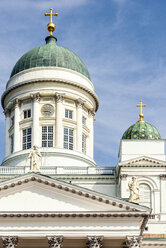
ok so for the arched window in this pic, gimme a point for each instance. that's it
(145, 195)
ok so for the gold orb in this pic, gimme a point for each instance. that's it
(51, 27)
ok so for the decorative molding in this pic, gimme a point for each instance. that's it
(94, 241)
(123, 176)
(133, 162)
(55, 241)
(9, 241)
(80, 103)
(86, 193)
(6, 112)
(91, 112)
(133, 241)
(36, 97)
(59, 97)
(89, 214)
(16, 103)
(163, 177)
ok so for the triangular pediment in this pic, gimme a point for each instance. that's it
(34, 192)
(142, 161)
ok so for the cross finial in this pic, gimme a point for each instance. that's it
(141, 116)
(51, 25)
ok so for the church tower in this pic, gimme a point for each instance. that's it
(50, 102)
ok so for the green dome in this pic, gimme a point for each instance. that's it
(50, 55)
(141, 130)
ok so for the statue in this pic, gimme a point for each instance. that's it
(34, 157)
(134, 190)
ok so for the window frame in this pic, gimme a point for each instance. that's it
(69, 114)
(28, 114)
(47, 133)
(84, 143)
(26, 144)
(68, 138)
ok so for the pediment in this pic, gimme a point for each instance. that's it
(34, 192)
(142, 161)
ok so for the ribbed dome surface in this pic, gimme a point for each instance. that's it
(141, 130)
(50, 55)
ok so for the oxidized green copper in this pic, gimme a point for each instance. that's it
(141, 130)
(50, 55)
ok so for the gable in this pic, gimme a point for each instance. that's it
(35, 197)
(36, 192)
(143, 161)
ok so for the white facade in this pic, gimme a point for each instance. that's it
(72, 199)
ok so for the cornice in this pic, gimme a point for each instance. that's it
(85, 193)
(50, 80)
(89, 214)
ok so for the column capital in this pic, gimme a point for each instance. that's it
(123, 176)
(36, 97)
(59, 97)
(16, 103)
(6, 112)
(163, 177)
(79, 102)
(94, 241)
(9, 241)
(133, 241)
(55, 241)
(91, 112)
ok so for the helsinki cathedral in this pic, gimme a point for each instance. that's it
(52, 192)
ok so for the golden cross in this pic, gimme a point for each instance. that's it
(141, 116)
(51, 25)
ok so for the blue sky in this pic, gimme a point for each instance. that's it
(123, 44)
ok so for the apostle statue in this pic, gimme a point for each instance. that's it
(134, 190)
(35, 158)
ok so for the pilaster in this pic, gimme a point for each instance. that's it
(35, 125)
(9, 241)
(16, 125)
(133, 241)
(7, 126)
(91, 128)
(55, 241)
(163, 193)
(123, 186)
(59, 125)
(79, 104)
(94, 241)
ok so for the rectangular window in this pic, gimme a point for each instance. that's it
(26, 138)
(47, 136)
(12, 121)
(84, 143)
(83, 120)
(68, 138)
(68, 114)
(27, 113)
(11, 143)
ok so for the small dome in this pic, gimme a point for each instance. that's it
(141, 130)
(50, 55)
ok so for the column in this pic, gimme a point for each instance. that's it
(59, 124)
(55, 241)
(124, 189)
(94, 241)
(79, 104)
(163, 196)
(9, 242)
(133, 241)
(7, 126)
(16, 125)
(35, 125)
(91, 134)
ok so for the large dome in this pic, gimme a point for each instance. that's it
(50, 55)
(141, 130)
